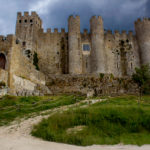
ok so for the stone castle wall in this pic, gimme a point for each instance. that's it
(62, 52)
(19, 71)
(142, 28)
(121, 53)
(97, 84)
(3, 77)
(98, 53)
(71, 52)
(74, 45)
(52, 51)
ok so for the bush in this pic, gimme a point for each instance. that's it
(35, 61)
(142, 78)
(101, 75)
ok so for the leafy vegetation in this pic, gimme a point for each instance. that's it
(35, 61)
(12, 107)
(142, 78)
(117, 120)
(101, 75)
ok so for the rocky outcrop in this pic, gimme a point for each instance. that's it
(99, 84)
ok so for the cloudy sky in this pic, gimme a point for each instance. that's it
(117, 14)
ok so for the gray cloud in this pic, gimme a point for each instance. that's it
(117, 14)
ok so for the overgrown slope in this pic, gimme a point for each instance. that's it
(12, 107)
(117, 120)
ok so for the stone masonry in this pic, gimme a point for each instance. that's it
(31, 56)
(76, 53)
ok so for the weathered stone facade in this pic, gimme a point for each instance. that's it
(18, 71)
(66, 53)
(31, 55)
(96, 84)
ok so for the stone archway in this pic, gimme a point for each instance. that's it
(2, 61)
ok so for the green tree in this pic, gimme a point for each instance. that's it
(142, 78)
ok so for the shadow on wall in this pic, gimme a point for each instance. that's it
(2, 61)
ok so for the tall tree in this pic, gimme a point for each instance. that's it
(142, 78)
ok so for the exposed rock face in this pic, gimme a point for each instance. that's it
(91, 84)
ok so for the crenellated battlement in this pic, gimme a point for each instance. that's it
(122, 34)
(74, 24)
(50, 43)
(109, 36)
(9, 39)
(2, 38)
(142, 21)
(72, 17)
(27, 14)
(85, 31)
(117, 32)
(96, 18)
(130, 33)
(109, 32)
(96, 25)
(55, 30)
(63, 30)
(51, 32)
(27, 18)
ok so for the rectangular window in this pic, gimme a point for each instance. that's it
(86, 47)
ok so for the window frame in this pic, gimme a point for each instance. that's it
(85, 49)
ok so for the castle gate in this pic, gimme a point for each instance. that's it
(2, 61)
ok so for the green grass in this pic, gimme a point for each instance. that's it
(117, 120)
(12, 107)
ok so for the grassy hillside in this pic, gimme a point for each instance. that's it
(12, 107)
(117, 120)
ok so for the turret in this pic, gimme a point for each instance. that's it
(74, 41)
(142, 28)
(97, 42)
(27, 27)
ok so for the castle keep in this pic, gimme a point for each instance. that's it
(32, 55)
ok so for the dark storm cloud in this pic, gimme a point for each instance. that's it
(117, 14)
(148, 8)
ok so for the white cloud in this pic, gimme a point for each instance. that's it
(42, 6)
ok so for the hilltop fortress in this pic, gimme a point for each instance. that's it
(30, 56)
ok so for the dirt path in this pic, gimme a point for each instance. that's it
(17, 137)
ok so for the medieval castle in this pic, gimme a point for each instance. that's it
(31, 55)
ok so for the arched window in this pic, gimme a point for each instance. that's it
(2, 61)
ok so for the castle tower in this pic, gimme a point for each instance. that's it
(97, 42)
(74, 43)
(142, 28)
(27, 27)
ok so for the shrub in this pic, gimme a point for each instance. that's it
(101, 75)
(35, 61)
